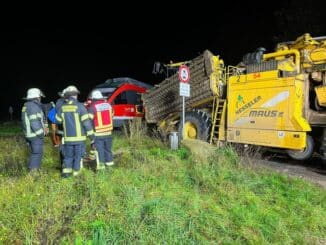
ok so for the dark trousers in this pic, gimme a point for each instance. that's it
(72, 157)
(103, 146)
(36, 153)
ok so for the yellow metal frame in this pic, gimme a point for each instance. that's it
(284, 53)
(321, 95)
(222, 131)
(218, 76)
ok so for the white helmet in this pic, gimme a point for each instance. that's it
(70, 90)
(33, 93)
(61, 93)
(97, 95)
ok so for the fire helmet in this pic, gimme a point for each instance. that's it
(33, 93)
(97, 95)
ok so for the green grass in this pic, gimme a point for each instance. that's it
(155, 196)
(11, 128)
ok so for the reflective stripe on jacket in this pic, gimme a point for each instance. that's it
(33, 119)
(101, 113)
(76, 123)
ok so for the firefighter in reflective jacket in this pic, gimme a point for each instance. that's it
(76, 125)
(100, 111)
(34, 126)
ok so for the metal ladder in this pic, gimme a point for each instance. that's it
(218, 108)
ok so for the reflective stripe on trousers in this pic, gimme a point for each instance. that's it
(36, 153)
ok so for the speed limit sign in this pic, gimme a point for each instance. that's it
(184, 74)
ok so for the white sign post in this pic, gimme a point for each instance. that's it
(184, 76)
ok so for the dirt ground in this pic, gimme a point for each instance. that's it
(313, 170)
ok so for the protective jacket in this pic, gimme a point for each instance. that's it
(76, 123)
(33, 119)
(101, 113)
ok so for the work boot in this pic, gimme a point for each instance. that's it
(75, 173)
(100, 167)
(34, 172)
(65, 175)
(109, 163)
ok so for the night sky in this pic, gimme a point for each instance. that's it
(85, 49)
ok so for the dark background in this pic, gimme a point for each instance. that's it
(53, 50)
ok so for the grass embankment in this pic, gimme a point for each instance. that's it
(155, 195)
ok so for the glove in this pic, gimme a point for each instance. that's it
(46, 131)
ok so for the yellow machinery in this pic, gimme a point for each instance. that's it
(321, 95)
(274, 99)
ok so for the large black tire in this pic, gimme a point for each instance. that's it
(304, 154)
(199, 120)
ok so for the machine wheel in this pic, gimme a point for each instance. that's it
(197, 125)
(304, 154)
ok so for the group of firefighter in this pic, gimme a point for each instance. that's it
(72, 122)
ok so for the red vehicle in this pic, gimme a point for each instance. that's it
(124, 94)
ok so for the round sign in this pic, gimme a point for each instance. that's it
(184, 74)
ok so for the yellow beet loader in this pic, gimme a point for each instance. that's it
(275, 100)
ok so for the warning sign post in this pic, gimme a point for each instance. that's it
(184, 91)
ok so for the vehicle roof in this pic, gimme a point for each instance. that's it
(117, 82)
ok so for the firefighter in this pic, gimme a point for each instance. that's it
(34, 126)
(76, 124)
(100, 111)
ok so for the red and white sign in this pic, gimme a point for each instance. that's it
(184, 74)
